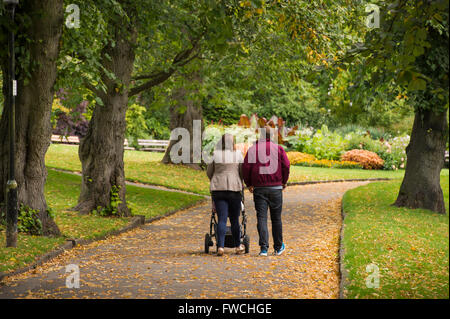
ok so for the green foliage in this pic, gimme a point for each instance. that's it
(326, 145)
(136, 124)
(365, 142)
(28, 221)
(112, 208)
(409, 53)
(216, 112)
(300, 140)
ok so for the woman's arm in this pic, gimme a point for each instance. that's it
(210, 170)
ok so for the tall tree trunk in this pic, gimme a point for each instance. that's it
(101, 150)
(425, 158)
(33, 108)
(182, 115)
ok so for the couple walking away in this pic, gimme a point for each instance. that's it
(265, 176)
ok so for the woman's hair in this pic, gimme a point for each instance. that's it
(226, 142)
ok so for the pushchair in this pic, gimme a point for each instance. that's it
(245, 239)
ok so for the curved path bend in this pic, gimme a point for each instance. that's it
(165, 259)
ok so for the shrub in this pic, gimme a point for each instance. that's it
(364, 142)
(326, 145)
(72, 122)
(397, 149)
(299, 139)
(368, 159)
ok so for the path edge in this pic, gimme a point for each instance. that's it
(343, 273)
(136, 221)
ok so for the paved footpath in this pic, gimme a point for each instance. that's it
(165, 259)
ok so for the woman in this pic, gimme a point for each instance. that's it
(225, 174)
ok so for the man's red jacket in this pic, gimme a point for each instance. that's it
(271, 169)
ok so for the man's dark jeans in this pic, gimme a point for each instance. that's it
(264, 199)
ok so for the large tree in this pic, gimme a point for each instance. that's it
(408, 55)
(101, 150)
(134, 47)
(38, 30)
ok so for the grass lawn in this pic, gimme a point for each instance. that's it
(145, 167)
(410, 247)
(62, 192)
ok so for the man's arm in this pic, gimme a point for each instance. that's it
(285, 166)
(210, 170)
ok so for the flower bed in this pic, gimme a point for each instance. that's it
(299, 157)
(303, 159)
(330, 164)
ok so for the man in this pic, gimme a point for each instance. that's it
(266, 172)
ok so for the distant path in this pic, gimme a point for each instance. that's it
(165, 259)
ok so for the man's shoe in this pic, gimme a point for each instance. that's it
(263, 252)
(281, 250)
(220, 251)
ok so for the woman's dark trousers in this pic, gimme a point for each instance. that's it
(228, 205)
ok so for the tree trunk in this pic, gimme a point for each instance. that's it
(425, 158)
(182, 115)
(33, 109)
(101, 150)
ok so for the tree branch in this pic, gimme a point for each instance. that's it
(181, 59)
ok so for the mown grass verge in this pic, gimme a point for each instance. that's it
(409, 247)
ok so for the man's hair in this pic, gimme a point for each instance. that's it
(266, 133)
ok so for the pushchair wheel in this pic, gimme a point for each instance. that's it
(246, 243)
(207, 243)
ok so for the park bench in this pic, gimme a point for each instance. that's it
(65, 139)
(144, 145)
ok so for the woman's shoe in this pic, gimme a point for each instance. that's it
(220, 251)
(240, 249)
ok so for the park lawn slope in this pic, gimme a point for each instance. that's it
(145, 167)
(62, 190)
(410, 247)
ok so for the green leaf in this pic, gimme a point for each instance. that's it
(99, 101)
(417, 84)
